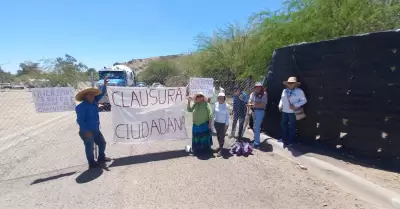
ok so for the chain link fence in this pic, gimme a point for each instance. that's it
(19, 120)
(19, 117)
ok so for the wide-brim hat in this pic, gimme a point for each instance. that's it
(258, 84)
(221, 94)
(81, 95)
(199, 94)
(291, 80)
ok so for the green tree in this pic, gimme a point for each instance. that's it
(6, 77)
(30, 69)
(95, 73)
(158, 71)
(235, 51)
(67, 71)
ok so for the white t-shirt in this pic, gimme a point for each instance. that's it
(296, 97)
(221, 113)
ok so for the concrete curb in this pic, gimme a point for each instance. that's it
(348, 181)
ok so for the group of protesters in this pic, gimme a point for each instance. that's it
(209, 115)
(212, 115)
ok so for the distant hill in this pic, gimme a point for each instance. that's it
(141, 64)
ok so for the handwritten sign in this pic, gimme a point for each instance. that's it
(204, 85)
(57, 99)
(142, 115)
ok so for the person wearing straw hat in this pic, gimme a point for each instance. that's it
(89, 124)
(202, 123)
(221, 121)
(258, 101)
(292, 98)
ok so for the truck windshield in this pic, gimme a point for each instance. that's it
(111, 74)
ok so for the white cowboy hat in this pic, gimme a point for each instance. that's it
(81, 95)
(199, 94)
(221, 94)
(291, 80)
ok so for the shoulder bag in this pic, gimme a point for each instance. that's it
(299, 112)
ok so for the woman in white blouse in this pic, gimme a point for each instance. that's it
(221, 120)
(292, 98)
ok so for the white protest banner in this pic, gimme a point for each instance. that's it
(142, 115)
(204, 85)
(56, 99)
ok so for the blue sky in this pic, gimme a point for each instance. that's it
(102, 32)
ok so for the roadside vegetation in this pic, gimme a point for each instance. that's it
(235, 51)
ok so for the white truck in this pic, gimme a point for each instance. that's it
(118, 75)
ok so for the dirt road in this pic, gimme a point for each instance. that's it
(47, 169)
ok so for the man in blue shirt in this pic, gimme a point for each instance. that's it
(89, 124)
(239, 110)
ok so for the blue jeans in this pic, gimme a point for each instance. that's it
(288, 124)
(258, 116)
(98, 139)
(236, 117)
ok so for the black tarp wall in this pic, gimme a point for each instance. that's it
(353, 89)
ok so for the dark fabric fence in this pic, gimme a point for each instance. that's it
(353, 89)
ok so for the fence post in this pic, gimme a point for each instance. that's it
(94, 144)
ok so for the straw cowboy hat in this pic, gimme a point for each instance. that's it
(199, 94)
(81, 95)
(292, 80)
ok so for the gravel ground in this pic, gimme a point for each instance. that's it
(47, 169)
(387, 179)
(18, 112)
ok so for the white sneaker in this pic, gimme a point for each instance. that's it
(188, 148)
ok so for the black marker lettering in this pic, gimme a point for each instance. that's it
(153, 96)
(170, 124)
(112, 97)
(171, 93)
(178, 95)
(159, 96)
(147, 128)
(141, 98)
(132, 132)
(122, 96)
(127, 131)
(134, 97)
(116, 131)
(162, 125)
(154, 125)
(177, 124)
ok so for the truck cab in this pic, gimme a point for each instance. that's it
(118, 75)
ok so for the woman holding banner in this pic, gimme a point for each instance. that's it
(202, 123)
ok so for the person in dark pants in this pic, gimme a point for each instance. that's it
(221, 121)
(292, 97)
(239, 110)
(89, 124)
